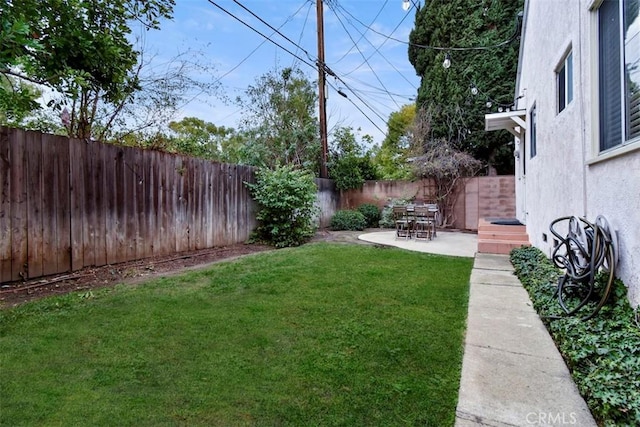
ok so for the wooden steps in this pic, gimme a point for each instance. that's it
(500, 239)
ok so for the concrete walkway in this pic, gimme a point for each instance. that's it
(512, 372)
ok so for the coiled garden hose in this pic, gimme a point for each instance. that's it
(587, 249)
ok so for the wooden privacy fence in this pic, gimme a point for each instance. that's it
(66, 204)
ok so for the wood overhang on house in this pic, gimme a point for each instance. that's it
(513, 121)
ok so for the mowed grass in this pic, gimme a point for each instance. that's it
(320, 335)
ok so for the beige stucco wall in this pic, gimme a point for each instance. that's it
(568, 176)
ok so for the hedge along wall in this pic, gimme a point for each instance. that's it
(481, 197)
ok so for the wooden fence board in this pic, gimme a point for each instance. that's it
(169, 209)
(49, 204)
(78, 165)
(155, 195)
(63, 208)
(131, 207)
(5, 207)
(143, 246)
(101, 188)
(217, 204)
(90, 209)
(199, 217)
(33, 149)
(208, 205)
(109, 158)
(19, 208)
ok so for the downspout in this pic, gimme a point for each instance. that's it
(584, 124)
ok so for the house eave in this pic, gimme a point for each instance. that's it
(513, 121)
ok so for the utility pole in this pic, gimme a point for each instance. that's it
(322, 91)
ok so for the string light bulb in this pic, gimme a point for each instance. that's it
(474, 90)
(447, 61)
(406, 5)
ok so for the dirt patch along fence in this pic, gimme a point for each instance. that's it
(67, 203)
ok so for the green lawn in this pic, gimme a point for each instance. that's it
(320, 335)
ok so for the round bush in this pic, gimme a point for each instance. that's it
(371, 214)
(348, 220)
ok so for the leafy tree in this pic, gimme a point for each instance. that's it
(350, 163)
(279, 121)
(79, 48)
(286, 199)
(391, 158)
(490, 31)
(198, 138)
(18, 99)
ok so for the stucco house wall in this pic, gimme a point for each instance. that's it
(568, 175)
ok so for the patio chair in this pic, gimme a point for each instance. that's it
(424, 223)
(404, 223)
(434, 213)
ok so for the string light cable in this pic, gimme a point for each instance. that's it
(376, 49)
(513, 37)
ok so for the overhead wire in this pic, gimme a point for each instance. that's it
(259, 46)
(365, 59)
(344, 55)
(377, 49)
(304, 25)
(261, 34)
(274, 29)
(304, 61)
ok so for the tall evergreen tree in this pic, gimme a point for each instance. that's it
(481, 39)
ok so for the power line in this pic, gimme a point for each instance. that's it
(358, 108)
(261, 34)
(361, 34)
(258, 47)
(318, 64)
(365, 59)
(274, 29)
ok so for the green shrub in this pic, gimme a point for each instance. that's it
(287, 206)
(603, 353)
(371, 214)
(348, 220)
(386, 216)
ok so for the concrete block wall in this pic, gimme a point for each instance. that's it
(481, 197)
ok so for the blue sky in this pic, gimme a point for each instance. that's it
(374, 68)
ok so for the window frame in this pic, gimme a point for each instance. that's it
(564, 81)
(611, 137)
(533, 132)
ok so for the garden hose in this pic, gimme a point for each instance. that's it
(587, 249)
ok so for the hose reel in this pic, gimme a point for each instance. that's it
(587, 249)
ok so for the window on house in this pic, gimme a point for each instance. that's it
(565, 82)
(619, 72)
(533, 124)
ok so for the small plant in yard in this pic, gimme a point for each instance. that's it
(371, 214)
(348, 220)
(603, 353)
(286, 199)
